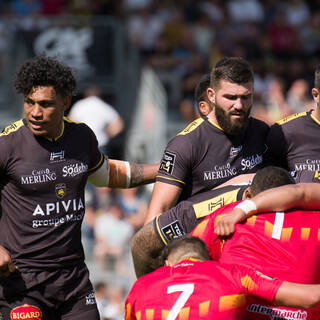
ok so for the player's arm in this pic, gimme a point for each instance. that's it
(145, 249)
(240, 179)
(123, 174)
(301, 195)
(164, 197)
(297, 295)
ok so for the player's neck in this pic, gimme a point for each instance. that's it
(316, 112)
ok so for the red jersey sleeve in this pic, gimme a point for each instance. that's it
(256, 284)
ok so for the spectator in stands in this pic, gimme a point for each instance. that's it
(112, 234)
(100, 116)
(298, 96)
(134, 206)
(101, 293)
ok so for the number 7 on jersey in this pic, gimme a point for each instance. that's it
(186, 291)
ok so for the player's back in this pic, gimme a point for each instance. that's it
(195, 290)
(284, 245)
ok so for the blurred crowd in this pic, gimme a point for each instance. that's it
(112, 217)
(182, 40)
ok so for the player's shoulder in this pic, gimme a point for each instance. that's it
(78, 129)
(151, 278)
(294, 118)
(11, 129)
(258, 124)
(191, 127)
(76, 124)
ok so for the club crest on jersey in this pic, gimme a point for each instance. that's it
(26, 312)
(167, 162)
(57, 156)
(61, 190)
(234, 151)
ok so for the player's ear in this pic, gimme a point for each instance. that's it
(204, 107)
(247, 194)
(167, 263)
(211, 95)
(315, 94)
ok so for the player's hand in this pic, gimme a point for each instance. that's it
(6, 265)
(226, 224)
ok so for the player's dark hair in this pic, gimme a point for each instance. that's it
(200, 92)
(270, 177)
(317, 77)
(232, 69)
(45, 71)
(186, 246)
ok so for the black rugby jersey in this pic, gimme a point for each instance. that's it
(294, 145)
(186, 215)
(42, 194)
(202, 156)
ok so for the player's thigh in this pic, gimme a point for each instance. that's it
(82, 308)
(25, 308)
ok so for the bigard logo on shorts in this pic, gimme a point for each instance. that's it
(26, 312)
(167, 162)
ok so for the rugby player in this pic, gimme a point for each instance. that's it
(293, 141)
(45, 162)
(191, 287)
(283, 244)
(211, 150)
(200, 93)
(147, 243)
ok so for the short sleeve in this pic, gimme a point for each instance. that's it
(175, 163)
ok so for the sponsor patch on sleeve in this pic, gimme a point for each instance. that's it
(167, 162)
(172, 230)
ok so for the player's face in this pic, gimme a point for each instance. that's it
(232, 106)
(44, 110)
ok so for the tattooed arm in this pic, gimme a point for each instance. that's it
(125, 174)
(145, 249)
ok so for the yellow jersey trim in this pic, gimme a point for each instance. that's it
(190, 127)
(204, 208)
(159, 231)
(12, 127)
(291, 117)
(59, 136)
(171, 179)
(315, 119)
(98, 164)
(215, 124)
(71, 121)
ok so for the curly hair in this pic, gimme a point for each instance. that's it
(45, 71)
